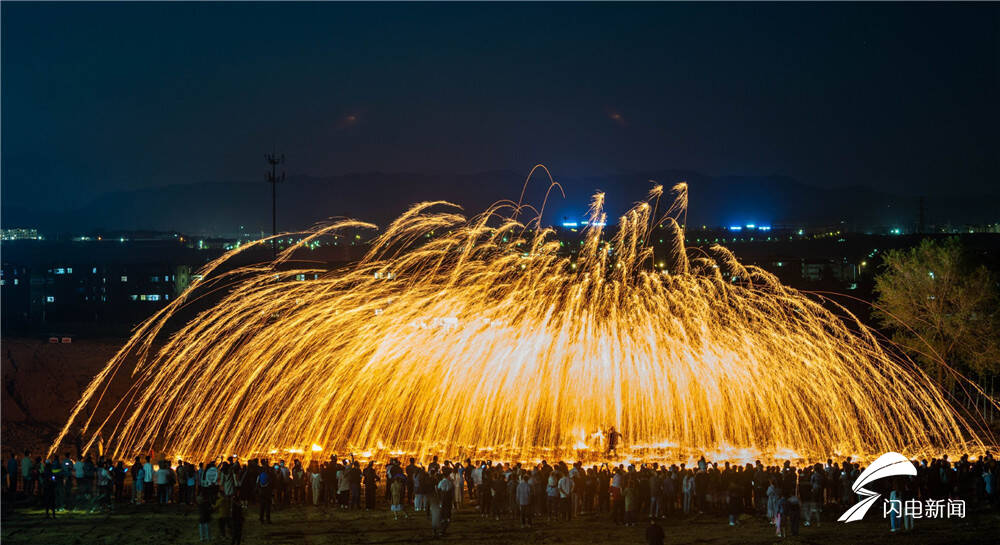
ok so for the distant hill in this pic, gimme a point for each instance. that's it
(222, 207)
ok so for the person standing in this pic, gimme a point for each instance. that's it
(457, 480)
(191, 475)
(614, 438)
(118, 478)
(204, 517)
(298, 482)
(484, 492)
(419, 498)
(37, 467)
(354, 478)
(552, 495)
(566, 486)
(236, 517)
(370, 478)
(227, 477)
(499, 487)
(26, 466)
(315, 482)
(343, 488)
(411, 471)
(57, 482)
(139, 483)
(147, 480)
(469, 474)
(433, 503)
(210, 481)
(779, 517)
(655, 485)
(13, 467)
(397, 495)
(616, 492)
(446, 494)
(79, 475)
(105, 482)
(264, 491)
(668, 494)
(224, 506)
(49, 485)
(182, 481)
(654, 533)
(164, 487)
(66, 501)
(792, 515)
(524, 496)
(773, 497)
(735, 505)
(631, 501)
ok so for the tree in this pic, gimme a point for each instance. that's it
(942, 310)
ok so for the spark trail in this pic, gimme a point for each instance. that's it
(490, 333)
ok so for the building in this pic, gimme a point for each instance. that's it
(19, 234)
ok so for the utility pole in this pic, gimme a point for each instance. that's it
(274, 179)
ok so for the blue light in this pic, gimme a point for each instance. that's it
(764, 228)
(735, 228)
(569, 224)
(750, 226)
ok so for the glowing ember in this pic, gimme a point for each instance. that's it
(486, 338)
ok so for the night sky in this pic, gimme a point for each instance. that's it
(96, 98)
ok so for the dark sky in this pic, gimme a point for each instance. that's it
(117, 96)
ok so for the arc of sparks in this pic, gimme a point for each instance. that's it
(490, 334)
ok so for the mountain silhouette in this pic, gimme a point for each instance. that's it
(222, 207)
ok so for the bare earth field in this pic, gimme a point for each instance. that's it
(309, 525)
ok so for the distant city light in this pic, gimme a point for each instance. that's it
(569, 224)
(750, 226)
(19, 234)
(735, 228)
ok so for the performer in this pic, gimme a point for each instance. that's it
(613, 438)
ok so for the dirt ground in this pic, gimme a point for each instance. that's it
(309, 526)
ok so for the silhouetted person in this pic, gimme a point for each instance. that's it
(371, 478)
(654, 533)
(236, 522)
(264, 491)
(49, 491)
(614, 438)
(204, 516)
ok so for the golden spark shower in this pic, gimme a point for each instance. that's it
(458, 333)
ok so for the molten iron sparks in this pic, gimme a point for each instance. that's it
(489, 335)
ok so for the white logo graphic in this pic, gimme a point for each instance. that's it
(890, 464)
